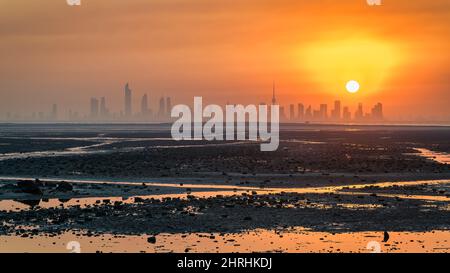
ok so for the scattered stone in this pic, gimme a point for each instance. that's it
(386, 237)
(64, 186)
(151, 240)
(31, 187)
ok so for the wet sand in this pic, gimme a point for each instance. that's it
(327, 189)
(247, 242)
(184, 217)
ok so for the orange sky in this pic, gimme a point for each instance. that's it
(226, 51)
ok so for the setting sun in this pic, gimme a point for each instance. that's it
(368, 61)
(352, 86)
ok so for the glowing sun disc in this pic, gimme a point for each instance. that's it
(352, 86)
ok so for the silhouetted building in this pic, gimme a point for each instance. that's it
(323, 111)
(128, 107)
(359, 114)
(168, 106)
(346, 115)
(300, 111)
(336, 112)
(54, 113)
(144, 106)
(162, 108)
(104, 112)
(292, 112)
(317, 115)
(308, 113)
(282, 113)
(377, 112)
(274, 99)
(94, 108)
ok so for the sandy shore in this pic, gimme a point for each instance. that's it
(139, 191)
(224, 208)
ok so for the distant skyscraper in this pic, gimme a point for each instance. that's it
(144, 106)
(282, 113)
(168, 106)
(346, 115)
(103, 109)
(128, 109)
(317, 115)
(292, 112)
(274, 100)
(94, 108)
(300, 111)
(54, 113)
(336, 112)
(377, 112)
(162, 107)
(308, 113)
(323, 111)
(359, 114)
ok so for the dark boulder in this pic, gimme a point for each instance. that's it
(28, 186)
(64, 186)
(38, 182)
(151, 240)
(30, 202)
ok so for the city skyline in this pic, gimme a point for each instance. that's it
(99, 111)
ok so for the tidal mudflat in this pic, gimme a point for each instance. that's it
(130, 188)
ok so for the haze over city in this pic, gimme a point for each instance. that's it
(99, 111)
(53, 53)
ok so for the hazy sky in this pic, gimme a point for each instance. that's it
(226, 51)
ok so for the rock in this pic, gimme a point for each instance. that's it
(27, 186)
(138, 200)
(38, 182)
(64, 186)
(32, 203)
(151, 240)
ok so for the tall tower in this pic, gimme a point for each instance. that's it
(54, 113)
(323, 111)
(144, 105)
(274, 100)
(103, 109)
(336, 113)
(359, 114)
(168, 106)
(128, 110)
(347, 116)
(94, 108)
(292, 112)
(162, 107)
(301, 111)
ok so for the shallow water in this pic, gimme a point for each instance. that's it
(292, 241)
(212, 190)
(96, 148)
(440, 157)
(295, 240)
